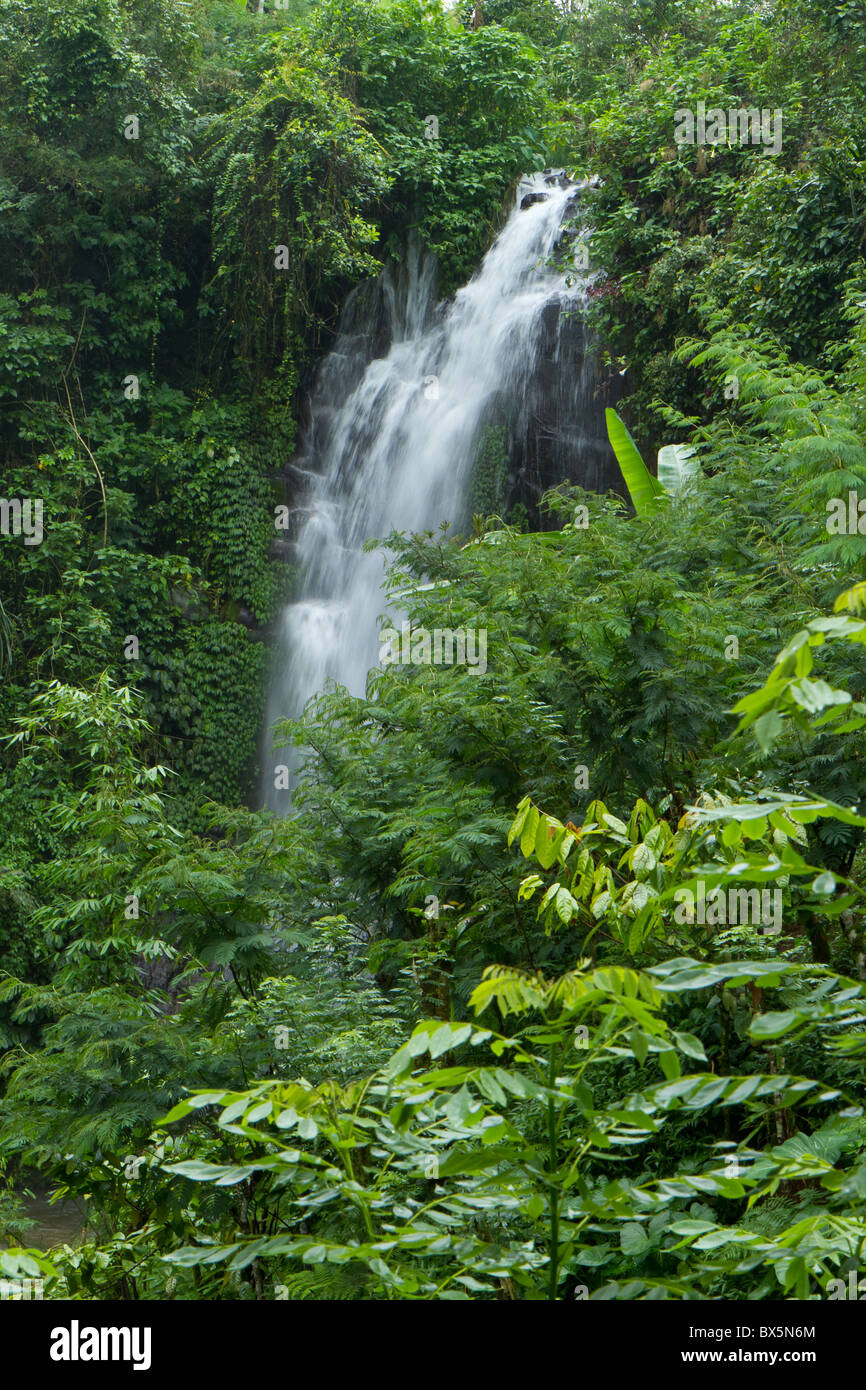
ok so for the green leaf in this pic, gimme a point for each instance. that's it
(529, 832)
(768, 728)
(565, 906)
(634, 1240)
(677, 466)
(670, 1064)
(690, 1046)
(639, 1044)
(643, 488)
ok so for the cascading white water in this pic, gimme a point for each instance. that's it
(392, 441)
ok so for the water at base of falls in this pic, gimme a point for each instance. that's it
(392, 440)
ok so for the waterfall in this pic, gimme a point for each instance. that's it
(395, 418)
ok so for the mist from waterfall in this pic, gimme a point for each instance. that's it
(392, 441)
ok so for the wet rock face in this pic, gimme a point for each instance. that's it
(531, 199)
(559, 431)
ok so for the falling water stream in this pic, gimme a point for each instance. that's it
(392, 441)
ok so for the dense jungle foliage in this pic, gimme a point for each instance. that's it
(451, 1029)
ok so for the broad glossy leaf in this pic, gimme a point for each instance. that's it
(643, 488)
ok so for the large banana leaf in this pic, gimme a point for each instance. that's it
(643, 488)
(677, 465)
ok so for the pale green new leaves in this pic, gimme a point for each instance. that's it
(677, 467)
